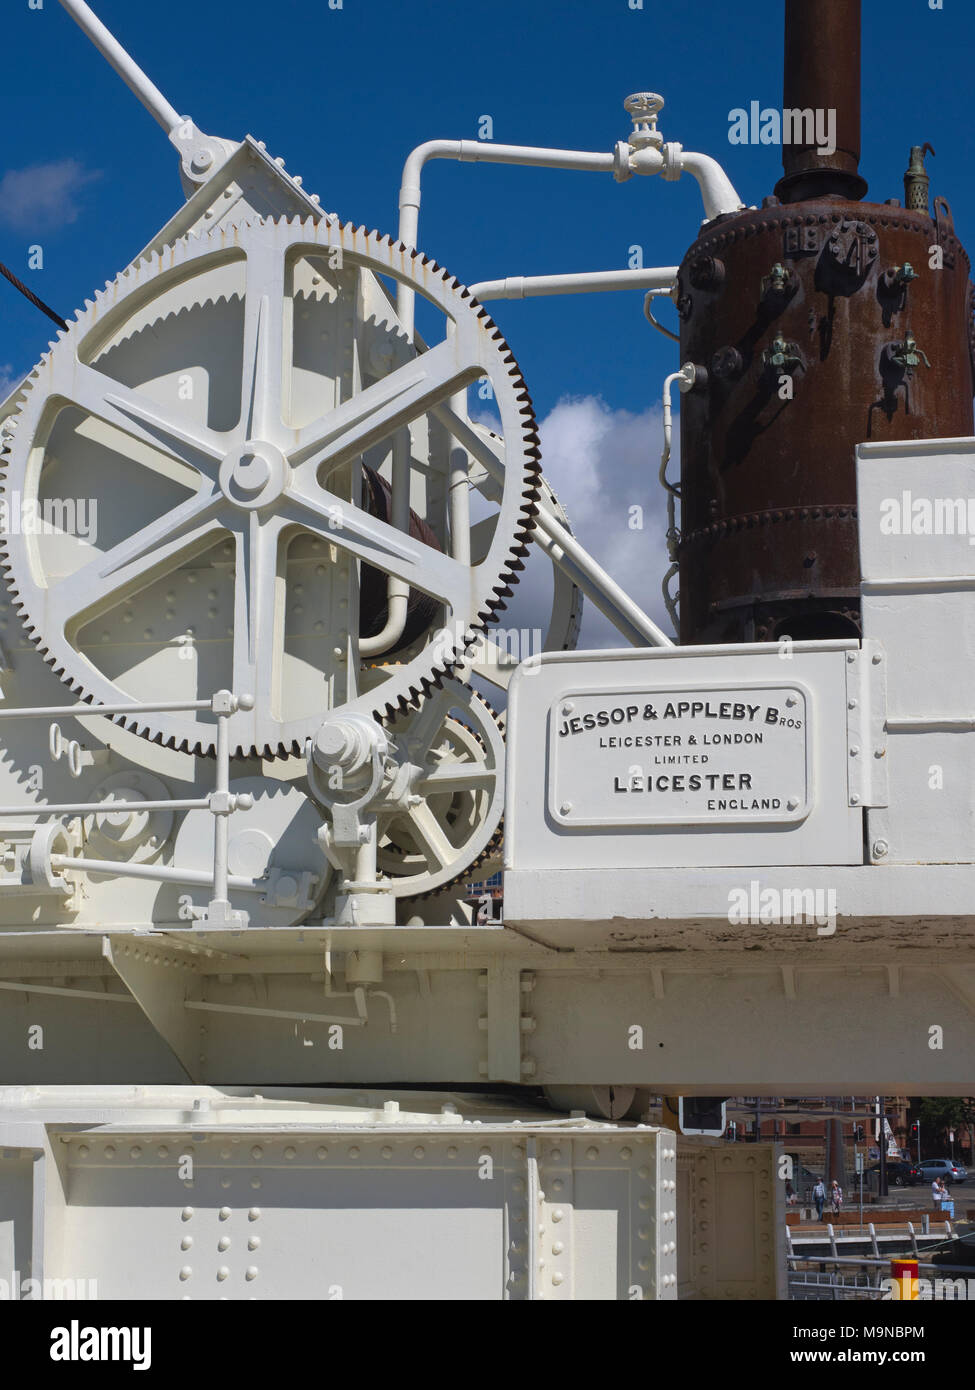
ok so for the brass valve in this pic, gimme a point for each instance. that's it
(908, 355)
(782, 356)
(780, 280)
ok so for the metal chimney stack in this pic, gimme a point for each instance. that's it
(821, 322)
(822, 70)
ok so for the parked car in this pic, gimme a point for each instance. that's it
(899, 1173)
(930, 1168)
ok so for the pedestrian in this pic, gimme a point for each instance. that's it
(791, 1196)
(836, 1197)
(937, 1192)
(819, 1197)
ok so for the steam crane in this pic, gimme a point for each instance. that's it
(253, 1043)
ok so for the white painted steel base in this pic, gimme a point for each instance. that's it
(150, 1194)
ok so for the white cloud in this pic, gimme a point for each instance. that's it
(8, 380)
(601, 463)
(43, 195)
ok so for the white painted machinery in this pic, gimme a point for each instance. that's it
(255, 558)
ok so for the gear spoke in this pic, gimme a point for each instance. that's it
(384, 547)
(134, 563)
(258, 611)
(457, 777)
(430, 836)
(263, 364)
(386, 406)
(137, 415)
(428, 722)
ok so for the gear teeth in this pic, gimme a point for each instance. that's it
(523, 449)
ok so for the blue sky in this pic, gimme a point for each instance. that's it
(344, 94)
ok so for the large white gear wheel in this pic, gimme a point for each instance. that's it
(232, 480)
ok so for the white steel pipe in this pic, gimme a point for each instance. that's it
(397, 590)
(717, 190)
(584, 282)
(473, 152)
(561, 547)
(484, 152)
(459, 492)
(124, 64)
(157, 873)
(134, 707)
(221, 828)
(103, 808)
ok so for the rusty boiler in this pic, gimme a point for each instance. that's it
(821, 321)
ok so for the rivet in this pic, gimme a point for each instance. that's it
(135, 1151)
(419, 1151)
(386, 1151)
(592, 1152)
(254, 1214)
(257, 1151)
(557, 1277)
(557, 1247)
(109, 1151)
(224, 1213)
(452, 1151)
(223, 1243)
(626, 1152)
(254, 1243)
(251, 1272)
(558, 1214)
(290, 1152)
(354, 1151)
(186, 1243)
(223, 1273)
(558, 1185)
(186, 1214)
(256, 1182)
(163, 1151)
(185, 1273)
(556, 1155)
(84, 1151)
(321, 1152)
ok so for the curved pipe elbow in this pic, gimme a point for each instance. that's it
(717, 190)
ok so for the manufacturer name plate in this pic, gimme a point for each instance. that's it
(689, 756)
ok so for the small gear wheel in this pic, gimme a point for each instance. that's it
(197, 440)
(450, 802)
